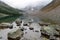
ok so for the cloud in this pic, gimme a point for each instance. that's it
(24, 3)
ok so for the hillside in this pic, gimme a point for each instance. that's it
(8, 12)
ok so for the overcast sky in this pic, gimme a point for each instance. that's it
(23, 3)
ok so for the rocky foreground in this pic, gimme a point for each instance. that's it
(23, 30)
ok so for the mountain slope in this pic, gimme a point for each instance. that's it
(6, 9)
(11, 13)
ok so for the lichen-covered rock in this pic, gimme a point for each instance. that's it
(57, 28)
(48, 31)
(16, 35)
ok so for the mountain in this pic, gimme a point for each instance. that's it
(6, 9)
(49, 13)
(8, 13)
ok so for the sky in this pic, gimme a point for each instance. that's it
(23, 3)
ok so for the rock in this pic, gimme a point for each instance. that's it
(31, 28)
(45, 35)
(44, 38)
(16, 35)
(52, 38)
(6, 25)
(18, 38)
(48, 31)
(36, 31)
(0, 37)
(25, 32)
(57, 35)
(22, 29)
(30, 23)
(18, 22)
(25, 24)
(58, 38)
(57, 28)
(44, 24)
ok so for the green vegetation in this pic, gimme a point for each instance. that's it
(11, 12)
(8, 18)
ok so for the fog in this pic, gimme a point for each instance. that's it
(24, 3)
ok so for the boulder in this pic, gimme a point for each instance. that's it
(16, 35)
(18, 22)
(48, 31)
(6, 25)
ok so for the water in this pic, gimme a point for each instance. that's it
(28, 34)
(31, 34)
(4, 32)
